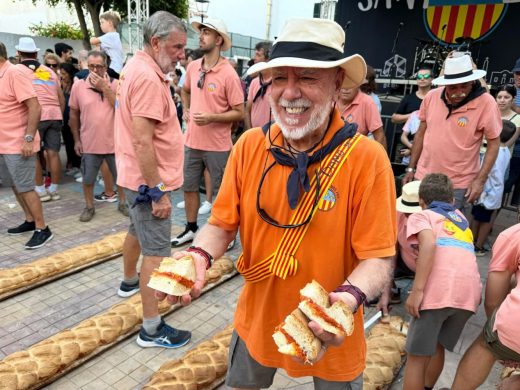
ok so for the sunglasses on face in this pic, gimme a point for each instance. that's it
(51, 65)
(423, 76)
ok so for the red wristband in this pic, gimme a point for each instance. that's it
(203, 253)
(354, 291)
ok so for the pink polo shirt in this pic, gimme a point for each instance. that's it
(451, 145)
(406, 249)
(454, 279)
(15, 88)
(222, 90)
(261, 108)
(364, 112)
(47, 87)
(144, 91)
(506, 256)
(96, 116)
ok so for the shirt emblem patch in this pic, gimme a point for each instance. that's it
(212, 87)
(462, 121)
(328, 201)
(349, 118)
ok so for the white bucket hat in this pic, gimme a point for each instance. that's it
(314, 43)
(408, 202)
(26, 45)
(219, 26)
(459, 69)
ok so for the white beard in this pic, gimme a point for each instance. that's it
(318, 117)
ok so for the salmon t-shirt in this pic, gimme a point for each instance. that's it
(221, 91)
(454, 279)
(356, 220)
(260, 109)
(47, 87)
(144, 91)
(506, 257)
(96, 116)
(16, 87)
(405, 248)
(451, 144)
(363, 111)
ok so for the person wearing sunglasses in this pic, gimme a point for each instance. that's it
(412, 102)
(212, 101)
(52, 61)
(313, 199)
(51, 98)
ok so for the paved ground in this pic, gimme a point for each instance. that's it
(39, 313)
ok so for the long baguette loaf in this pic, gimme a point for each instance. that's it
(200, 368)
(385, 347)
(48, 358)
(17, 277)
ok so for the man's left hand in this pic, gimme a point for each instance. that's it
(475, 189)
(202, 118)
(27, 149)
(97, 81)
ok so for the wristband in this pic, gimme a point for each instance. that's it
(203, 253)
(354, 291)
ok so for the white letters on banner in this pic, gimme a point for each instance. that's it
(372, 4)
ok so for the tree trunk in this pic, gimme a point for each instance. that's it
(94, 7)
(82, 24)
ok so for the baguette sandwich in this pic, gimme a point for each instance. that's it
(174, 277)
(294, 338)
(336, 318)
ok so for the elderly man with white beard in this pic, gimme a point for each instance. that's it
(312, 200)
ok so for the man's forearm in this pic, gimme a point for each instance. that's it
(142, 139)
(489, 159)
(214, 239)
(379, 136)
(417, 145)
(110, 95)
(33, 116)
(399, 118)
(185, 99)
(233, 115)
(74, 124)
(371, 275)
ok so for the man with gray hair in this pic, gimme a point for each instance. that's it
(149, 157)
(19, 141)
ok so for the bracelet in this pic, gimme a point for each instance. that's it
(203, 253)
(354, 291)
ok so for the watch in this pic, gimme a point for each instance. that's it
(410, 170)
(28, 138)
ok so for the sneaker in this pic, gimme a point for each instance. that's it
(166, 337)
(479, 252)
(72, 171)
(87, 214)
(395, 296)
(181, 205)
(44, 196)
(123, 209)
(231, 245)
(39, 238)
(205, 208)
(127, 290)
(77, 175)
(186, 236)
(103, 197)
(79, 179)
(23, 228)
(54, 195)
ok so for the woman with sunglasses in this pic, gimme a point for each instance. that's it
(52, 61)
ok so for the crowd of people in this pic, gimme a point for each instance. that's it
(308, 185)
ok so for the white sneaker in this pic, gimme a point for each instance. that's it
(44, 196)
(205, 208)
(181, 205)
(186, 236)
(79, 179)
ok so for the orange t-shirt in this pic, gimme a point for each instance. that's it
(47, 86)
(144, 91)
(15, 88)
(356, 221)
(96, 117)
(260, 109)
(506, 257)
(451, 145)
(364, 112)
(221, 91)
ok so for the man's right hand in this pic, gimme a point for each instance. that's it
(408, 177)
(163, 208)
(78, 148)
(200, 280)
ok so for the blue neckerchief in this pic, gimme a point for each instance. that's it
(299, 178)
(449, 211)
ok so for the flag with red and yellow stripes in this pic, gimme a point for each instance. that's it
(448, 20)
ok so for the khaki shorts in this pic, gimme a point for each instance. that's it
(153, 234)
(499, 350)
(245, 372)
(194, 163)
(436, 326)
(18, 172)
(50, 134)
(90, 164)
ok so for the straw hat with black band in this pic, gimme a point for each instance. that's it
(219, 26)
(408, 202)
(314, 43)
